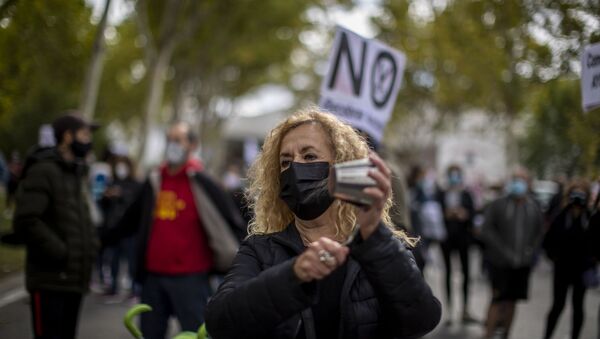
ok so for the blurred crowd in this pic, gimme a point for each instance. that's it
(512, 223)
(136, 219)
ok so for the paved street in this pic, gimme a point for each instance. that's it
(101, 321)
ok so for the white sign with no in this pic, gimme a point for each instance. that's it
(362, 82)
(590, 77)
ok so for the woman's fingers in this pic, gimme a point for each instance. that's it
(382, 182)
(378, 196)
(319, 267)
(320, 259)
(380, 164)
(369, 217)
(382, 176)
(335, 249)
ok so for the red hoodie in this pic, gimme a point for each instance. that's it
(177, 242)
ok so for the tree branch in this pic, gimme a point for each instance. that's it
(144, 27)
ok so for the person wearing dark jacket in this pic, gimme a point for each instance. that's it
(565, 244)
(118, 196)
(313, 266)
(459, 210)
(184, 225)
(512, 233)
(52, 217)
(594, 239)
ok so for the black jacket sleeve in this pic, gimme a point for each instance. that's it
(251, 302)
(410, 308)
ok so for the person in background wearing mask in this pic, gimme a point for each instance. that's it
(119, 195)
(52, 216)
(512, 232)
(565, 245)
(458, 208)
(184, 223)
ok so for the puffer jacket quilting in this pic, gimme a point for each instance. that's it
(383, 295)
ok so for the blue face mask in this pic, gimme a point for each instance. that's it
(518, 187)
(454, 179)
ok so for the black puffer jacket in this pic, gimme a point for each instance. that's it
(52, 217)
(383, 295)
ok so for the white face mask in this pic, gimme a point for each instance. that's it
(121, 171)
(176, 154)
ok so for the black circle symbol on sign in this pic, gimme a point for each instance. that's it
(383, 78)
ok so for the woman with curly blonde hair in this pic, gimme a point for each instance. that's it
(300, 274)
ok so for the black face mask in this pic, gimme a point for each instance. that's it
(80, 149)
(578, 199)
(304, 189)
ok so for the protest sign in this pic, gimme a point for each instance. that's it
(362, 82)
(590, 77)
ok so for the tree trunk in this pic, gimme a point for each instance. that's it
(157, 77)
(94, 73)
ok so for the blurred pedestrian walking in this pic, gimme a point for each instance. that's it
(184, 223)
(565, 244)
(118, 196)
(53, 217)
(459, 211)
(512, 232)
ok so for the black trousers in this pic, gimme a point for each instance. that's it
(451, 245)
(183, 296)
(54, 315)
(565, 277)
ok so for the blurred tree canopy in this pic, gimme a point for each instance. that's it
(166, 58)
(560, 139)
(163, 52)
(492, 56)
(45, 46)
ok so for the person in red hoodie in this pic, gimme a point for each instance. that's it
(187, 227)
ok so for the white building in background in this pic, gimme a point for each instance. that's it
(475, 141)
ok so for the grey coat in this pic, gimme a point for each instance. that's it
(510, 243)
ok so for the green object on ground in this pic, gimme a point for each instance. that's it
(202, 334)
(132, 313)
(186, 335)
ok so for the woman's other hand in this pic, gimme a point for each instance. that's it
(369, 217)
(320, 259)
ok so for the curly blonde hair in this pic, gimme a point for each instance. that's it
(271, 214)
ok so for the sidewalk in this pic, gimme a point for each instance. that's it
(530, 317)
(12, 289)
(100, 320)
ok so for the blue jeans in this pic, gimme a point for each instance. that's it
(183, 296)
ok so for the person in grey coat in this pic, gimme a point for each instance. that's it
(512, 233)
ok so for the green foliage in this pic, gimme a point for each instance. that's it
(123, 83)
(45, 46)
(467, 55)
(561, 138)
(495, 56)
